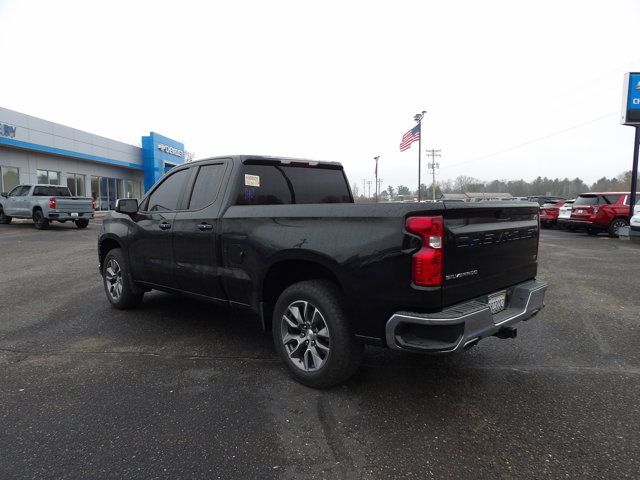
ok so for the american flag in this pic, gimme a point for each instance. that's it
(408, 138)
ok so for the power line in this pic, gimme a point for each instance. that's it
(535, 140)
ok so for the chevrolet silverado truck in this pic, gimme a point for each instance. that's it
(44, 204)
(282, 238)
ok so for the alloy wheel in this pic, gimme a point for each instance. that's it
(305, 336)
(113, 278)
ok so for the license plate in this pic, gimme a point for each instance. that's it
(580, 211)
(497, 301)
(74, 214)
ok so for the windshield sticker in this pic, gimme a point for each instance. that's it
(252, 180)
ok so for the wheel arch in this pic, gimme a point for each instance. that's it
(107, 243)
(289, 269)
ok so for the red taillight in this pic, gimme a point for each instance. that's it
(427, 263)
(52, 202)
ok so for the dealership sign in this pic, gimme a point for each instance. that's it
(7, 130)
(170, 150)
(631, 99)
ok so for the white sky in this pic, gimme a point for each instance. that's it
(336, 80)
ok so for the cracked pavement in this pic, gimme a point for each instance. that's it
(182, 389)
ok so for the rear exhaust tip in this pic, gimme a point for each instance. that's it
(506, 332)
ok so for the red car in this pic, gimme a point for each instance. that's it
(601, 212)
(549, 213)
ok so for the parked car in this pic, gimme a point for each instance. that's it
(635, 220)
(601, 212)
(542, 199)
(283, 239)
(549, 213)
(564, 215)
(44, 204)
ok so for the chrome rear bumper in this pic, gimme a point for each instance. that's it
(463, 324)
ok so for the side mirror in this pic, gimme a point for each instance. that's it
(127, 205)
(5, 194)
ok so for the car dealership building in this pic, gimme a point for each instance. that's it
(33, 150)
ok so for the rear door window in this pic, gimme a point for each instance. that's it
(206, 186)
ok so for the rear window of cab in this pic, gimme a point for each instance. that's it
(596, 200)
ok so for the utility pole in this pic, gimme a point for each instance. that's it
(418, 118)
(364, 187)
(379, 184)
(432, 166)
(376, 159)
(369, 182)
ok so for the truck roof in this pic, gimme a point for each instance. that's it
(272, 159)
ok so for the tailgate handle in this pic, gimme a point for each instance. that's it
(203, 227)
(165, 226)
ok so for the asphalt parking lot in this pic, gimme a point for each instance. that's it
(181, 389)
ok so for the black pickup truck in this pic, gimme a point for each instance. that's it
(283, 239)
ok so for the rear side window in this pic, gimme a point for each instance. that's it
(609, 199)
(167, 195)
(283, 184)
(51, 192)
(207, 185)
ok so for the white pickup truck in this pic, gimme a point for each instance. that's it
(45, 203)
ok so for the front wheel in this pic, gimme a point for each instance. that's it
(4, 219)
(40, 222)
(82, 223)
(616, 225)
(117, 283)
(312, 334)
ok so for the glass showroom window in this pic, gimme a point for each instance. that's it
(48, 176)
(133, 189)
(9, 178)
(75, 182)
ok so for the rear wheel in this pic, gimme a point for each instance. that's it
(117, 283)
(616, 225)
(4, 219)
(82, 223)
(313, 336)
(39, 221)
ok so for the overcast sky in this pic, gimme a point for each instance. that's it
(337, 80)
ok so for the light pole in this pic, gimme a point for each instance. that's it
(418, 118)
(376, 159)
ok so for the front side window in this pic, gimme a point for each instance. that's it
(167, 195)
(16, 191)
(207, 185)
(609, 199)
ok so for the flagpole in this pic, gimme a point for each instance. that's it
(418, 118)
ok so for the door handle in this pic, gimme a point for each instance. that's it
(164, 226)
(203, 227)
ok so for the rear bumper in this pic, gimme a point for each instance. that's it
(463, 324)
(585, 223)
(68, 216)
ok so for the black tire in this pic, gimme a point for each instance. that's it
(545, 225)
(4, 219)
(39, 221)
(615, 224)
(593, 231)
(117, 281)
(82, 223)
(343, 353)
(571, 228)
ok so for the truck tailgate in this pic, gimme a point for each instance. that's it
(488, 247)
(73, 204)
